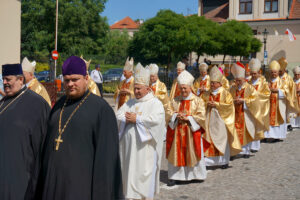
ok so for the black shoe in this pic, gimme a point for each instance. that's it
(289, 128)
(224, 166)
(246, 156)
(253, 151)
(171, 183)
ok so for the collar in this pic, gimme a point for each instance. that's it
(274, 79)
(215, 92)
(255, 82)
(71, 101)
(146, 97)
(154, 83)
(205, 77)
(297, 81)
(188, 97)
(241, 87)
(128, 80)
(27, 84)
(11, 97)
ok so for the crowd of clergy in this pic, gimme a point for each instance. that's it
(79, 148)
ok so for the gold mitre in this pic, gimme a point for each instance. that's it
(141, 75)
(185, 78)
(180, 65)
(283, 63)
(215, 74)
(203, 67)
(296, 70)
(28, 66)
(87, 63)
(129, 64)
(274, 66)
(153, 68)
(254, 65)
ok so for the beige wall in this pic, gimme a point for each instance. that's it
(10, 31)
(257, 10)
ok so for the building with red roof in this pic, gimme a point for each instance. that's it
(126, 24)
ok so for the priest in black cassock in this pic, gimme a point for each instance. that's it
(23, 120)
(81, 152)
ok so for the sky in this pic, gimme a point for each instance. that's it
(116, 10)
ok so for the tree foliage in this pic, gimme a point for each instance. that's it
(157, 39)
(116, 47)
(81, 30)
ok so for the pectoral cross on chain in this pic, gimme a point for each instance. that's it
(58, 141)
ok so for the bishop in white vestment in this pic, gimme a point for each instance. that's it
(141, 131)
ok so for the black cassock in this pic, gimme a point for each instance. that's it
(87, 163)
(22, 131)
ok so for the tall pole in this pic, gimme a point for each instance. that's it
(56, 27)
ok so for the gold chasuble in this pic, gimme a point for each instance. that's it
(277, 112)
(291, 95)
(183, 146)
(160, 91)
(93, 88)
(246, 119)
(262, 88)
(298, 94)
(202, 84)
(38, 88)
(123, 98)
(175, 91)
(223, 116)
(225, 83)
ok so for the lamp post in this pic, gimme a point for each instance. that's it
(265, 36)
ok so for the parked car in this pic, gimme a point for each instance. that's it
(112, 74)
(43, 76)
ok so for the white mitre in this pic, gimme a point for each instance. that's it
(28, 66)
(296, 70)
(180, 65)
(141, 75)
(185, 78)
(215, 74)
(203, 67)
(129, 64)
(153, 68)
(254, 65)
(238, 70)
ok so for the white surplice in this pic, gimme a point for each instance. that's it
(141, 146)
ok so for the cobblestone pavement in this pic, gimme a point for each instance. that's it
(273, 173)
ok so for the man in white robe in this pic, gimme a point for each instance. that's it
(141, 131)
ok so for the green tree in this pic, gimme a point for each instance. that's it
(81, 29)
(157, 40)
(199, 35)
(116, 47)
(236, 39)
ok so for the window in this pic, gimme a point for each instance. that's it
(271, 6)
(245, 6)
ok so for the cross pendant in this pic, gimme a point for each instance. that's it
(58, 141)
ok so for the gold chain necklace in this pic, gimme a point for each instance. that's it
(60, 131)
(11, 101)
